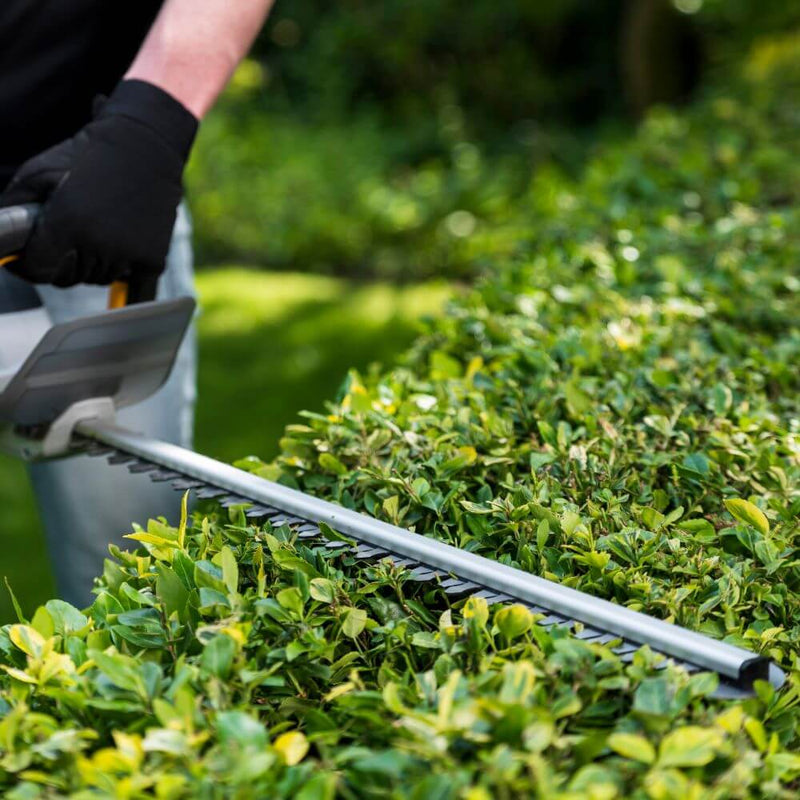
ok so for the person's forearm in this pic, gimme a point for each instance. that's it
(194, 46)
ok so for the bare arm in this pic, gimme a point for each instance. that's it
(194, 46)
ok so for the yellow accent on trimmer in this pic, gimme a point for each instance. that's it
(118, 295)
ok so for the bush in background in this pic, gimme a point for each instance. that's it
(376, 140)
(501, 61)
(345, 199)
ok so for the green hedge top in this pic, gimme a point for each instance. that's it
(615, 406)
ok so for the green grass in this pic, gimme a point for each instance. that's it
(270, 345)
(275, 343)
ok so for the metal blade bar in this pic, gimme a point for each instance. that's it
(473, 572)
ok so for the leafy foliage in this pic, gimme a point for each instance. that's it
(500, 61)
(356, 197)
(376, 139)
(614, 406)
(227, 661)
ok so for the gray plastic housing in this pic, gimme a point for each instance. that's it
(124, 355)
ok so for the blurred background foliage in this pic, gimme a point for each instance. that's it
(373, 139)
(397, 141)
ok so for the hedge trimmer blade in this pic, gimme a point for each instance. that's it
(459, 573)
(81, 372)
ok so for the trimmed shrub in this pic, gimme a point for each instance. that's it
(224, 661)
(615, 406)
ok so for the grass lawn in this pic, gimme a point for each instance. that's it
(271, 344)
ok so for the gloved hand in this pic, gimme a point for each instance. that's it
(110, 194)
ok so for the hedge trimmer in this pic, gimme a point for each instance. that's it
(62, 398)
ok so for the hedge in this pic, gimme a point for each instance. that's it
(614, 406)
(357, 137)
(405, 58)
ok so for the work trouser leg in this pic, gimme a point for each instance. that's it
(84, 503)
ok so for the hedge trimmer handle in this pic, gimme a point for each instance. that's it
(132, 291)
(16, 224)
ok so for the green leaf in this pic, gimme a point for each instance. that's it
(321, 786)
(749, 514)
(702, 529)
(426, 640)
(420, 487)
(578, 402)
(633, 746)
(230, 569)
(183, 566)
(539, 460)
(594, 781)
(209, 576)
(757, 733)
(334, 536)
(171, 589)
(121, 670)
(354, 621)
(444, 366)
(566, 706)
(653, 696)
(785, 765)
(330, 463)
(689, 746)
(513, 621)
(218, 655)
(697, 463)
(15, 602)
(465, 457)
(391, 505)
(210, 598)
(43, 622)
(242, 729)
(163, 740)
(323, 590)
(66, 618)
(291, 599)
(703, 684)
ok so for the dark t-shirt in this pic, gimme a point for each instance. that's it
(55, 56)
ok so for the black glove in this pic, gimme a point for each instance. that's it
(110, 194)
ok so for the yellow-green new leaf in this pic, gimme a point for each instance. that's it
(633, 746)
(748, 513)
(355, 620)
(292, 747)
(690, 746)
(513, 621)
(27, 639)
(184, 519)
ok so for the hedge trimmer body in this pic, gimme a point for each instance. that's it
(62, 400)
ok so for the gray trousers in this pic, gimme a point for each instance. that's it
(84, 503)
